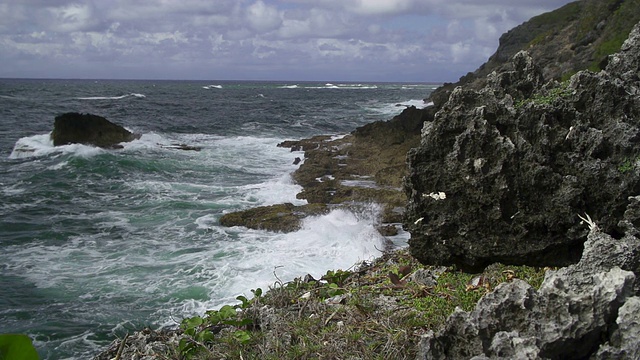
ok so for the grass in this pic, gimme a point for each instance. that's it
(363, 313)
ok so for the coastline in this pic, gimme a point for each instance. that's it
(378, 308)
(364, 167)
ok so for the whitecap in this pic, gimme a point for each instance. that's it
(392, 109)
(209, 87)
(42, 145)
(136, 95)
(289, 87)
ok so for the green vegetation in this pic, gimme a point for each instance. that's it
(547, 96)
(371, 312)
(628, 164)
(17, 347)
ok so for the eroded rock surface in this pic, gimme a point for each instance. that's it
(586, 310)
(502, 174)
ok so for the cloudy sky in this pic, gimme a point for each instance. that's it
(349, 40)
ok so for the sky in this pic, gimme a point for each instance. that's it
(312, 40)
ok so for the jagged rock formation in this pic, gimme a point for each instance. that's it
(88, 129)
(578, 36)
(503, 173)
(586, 310)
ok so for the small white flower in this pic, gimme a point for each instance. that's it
(438, 196)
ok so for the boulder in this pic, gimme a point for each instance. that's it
(88, 129)
(586, 310)
(502, 174)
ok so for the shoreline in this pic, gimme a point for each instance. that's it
(378, 308)
(364, 166)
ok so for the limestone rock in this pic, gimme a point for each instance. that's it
(515, 163)
(88, 129)
(579, 311)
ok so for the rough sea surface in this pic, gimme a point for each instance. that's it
(96, 243)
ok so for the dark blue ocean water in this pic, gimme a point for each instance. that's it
(97, 243)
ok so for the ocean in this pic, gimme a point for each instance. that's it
(96, 243)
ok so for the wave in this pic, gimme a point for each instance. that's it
(42, 145)
(392, 109)
(135, 95)
(337, 240)
(209, 87)
(333, 86)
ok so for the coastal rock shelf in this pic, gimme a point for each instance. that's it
(366, 166)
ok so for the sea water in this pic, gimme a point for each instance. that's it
(96, 243)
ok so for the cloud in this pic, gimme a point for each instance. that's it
(263, 18)
(411, 40)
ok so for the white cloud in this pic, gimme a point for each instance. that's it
(429, 39)
(378, 7)
(263, 18)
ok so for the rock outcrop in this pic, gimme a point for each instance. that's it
(577, 36)
(88, 129)
(503, 173)
(586, 310)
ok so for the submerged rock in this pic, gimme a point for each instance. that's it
(88, 129)
(502, 174)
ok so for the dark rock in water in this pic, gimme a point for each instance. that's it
(281, 217)
(502, 174)
(297, 161)
(88, 129)
(181, 147)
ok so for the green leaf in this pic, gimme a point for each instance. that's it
(244, 300)
(257, 292)
(192, 323)
(242, 336)
(227, 312)
(185, 346)
(17, 347)
(204, 336)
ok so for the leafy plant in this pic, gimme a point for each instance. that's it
(201, 331)
(17, 347)
(627, 165)
(547, 96)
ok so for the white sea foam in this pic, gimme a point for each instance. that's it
(289, 87)
(135, 95)
(42, 145)
(209, 87)
(337, 240)
(396, 108)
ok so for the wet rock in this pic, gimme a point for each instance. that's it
(519, 160)
(88, 129)
(280, 218)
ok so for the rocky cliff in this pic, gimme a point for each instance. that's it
(510, 173)
(503, 173)
(578, 36)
